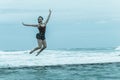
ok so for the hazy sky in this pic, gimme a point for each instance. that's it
(73, 23)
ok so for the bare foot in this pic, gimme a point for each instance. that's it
(31, 52)
(37, 53)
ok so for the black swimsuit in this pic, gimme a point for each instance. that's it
(41, 34)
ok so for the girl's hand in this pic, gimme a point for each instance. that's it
(23, 23)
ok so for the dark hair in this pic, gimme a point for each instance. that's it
(40, 17)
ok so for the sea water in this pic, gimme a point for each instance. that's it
(61, 64)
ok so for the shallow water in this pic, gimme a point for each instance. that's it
(109, 71)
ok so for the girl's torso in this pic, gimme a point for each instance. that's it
(42, 28)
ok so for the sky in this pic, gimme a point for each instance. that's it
(73, 23)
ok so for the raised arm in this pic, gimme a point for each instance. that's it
(48, 17)
(33, 25)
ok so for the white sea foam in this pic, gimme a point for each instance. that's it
(55, 57)
(117, 48)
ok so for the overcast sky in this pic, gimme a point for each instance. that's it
(73, 23)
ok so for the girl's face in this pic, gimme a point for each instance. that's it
(40, 20)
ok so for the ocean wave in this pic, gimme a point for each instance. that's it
(56, 57)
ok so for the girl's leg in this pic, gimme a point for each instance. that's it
(39, 46)
(34, 50)
(44, 46)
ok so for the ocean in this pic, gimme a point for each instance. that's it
(61, 64)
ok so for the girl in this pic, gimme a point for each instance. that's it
(41, 35)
